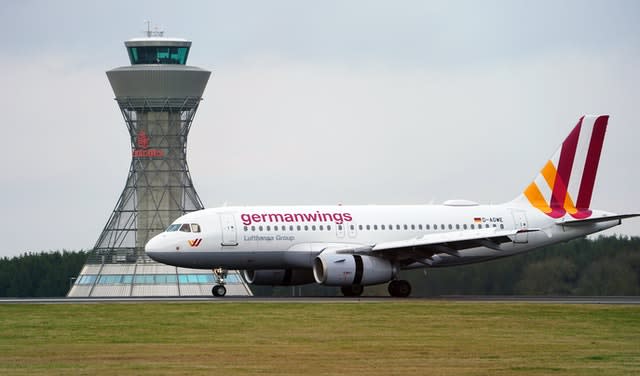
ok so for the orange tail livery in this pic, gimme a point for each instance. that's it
(565, 183)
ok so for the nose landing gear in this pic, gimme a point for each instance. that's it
(218, 289)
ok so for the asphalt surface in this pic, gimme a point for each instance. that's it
(628, 300)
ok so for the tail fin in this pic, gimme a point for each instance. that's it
(565, 183)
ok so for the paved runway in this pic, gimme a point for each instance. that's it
(630, 300)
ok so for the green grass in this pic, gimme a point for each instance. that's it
(432, 337)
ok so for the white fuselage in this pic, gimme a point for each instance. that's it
(280, 237)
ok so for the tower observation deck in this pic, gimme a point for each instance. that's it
(158, 95)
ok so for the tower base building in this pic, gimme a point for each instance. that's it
(158, 95)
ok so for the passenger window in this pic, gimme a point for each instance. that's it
(406, 227)
(450, 227)
(360, 227)
(442, 227)
(290, 227)
(427, 227)
(328, 227)
(246, 228)
(381, 227)
(185, 228)
(420, 226)
(390, 227)
(457, 227)
(259, 228)
(397, 227)
(368, 227)
(306, 228)
(473, 226)
(313, 228)
(464, 226)
(268, 228)
(375, 227)
(413, 227)
(298, 227)
(321, 227)
(502, 226)
(352, 227)
(253, 228)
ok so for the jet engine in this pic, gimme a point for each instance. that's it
(278, 277)
(335, 269)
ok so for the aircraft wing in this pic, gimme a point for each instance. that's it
(448, 242)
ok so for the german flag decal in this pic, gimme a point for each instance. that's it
(195, 242)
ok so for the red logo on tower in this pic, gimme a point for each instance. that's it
(143, 140)
(142, 147)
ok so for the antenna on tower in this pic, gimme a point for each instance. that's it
(156, 32)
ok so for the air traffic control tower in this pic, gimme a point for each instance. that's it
(158, 95)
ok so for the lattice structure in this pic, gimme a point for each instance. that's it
(159, 187)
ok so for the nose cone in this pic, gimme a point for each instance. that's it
(154, 247)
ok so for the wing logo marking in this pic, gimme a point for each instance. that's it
(194, 242)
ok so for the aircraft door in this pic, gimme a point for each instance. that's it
(521, 223)
(229, 231)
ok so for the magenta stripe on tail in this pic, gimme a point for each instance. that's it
(591, 167)
(565, 164)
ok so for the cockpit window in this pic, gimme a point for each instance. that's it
(184, 227)
(173, 227)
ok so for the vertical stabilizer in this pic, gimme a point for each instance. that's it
(565, 183)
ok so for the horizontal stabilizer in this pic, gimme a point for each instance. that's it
(580, 222)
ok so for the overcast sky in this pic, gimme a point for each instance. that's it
(322, 102)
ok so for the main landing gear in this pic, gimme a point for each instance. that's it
(397, 288)
(218, 289)
(352, 290)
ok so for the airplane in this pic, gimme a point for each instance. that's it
(356, 246)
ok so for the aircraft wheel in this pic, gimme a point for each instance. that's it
(219, 290)
(352, 290)
(399, 288)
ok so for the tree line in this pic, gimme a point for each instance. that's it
(602, 266)
(43, 274)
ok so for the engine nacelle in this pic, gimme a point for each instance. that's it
(278, 277)
(334, 269)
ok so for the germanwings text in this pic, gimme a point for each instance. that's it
(337, 218)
